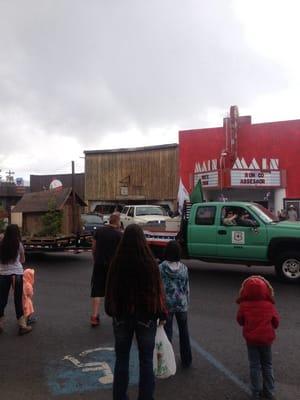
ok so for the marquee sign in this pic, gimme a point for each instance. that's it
(255, 178)
(207, 172)
(208, 179)
(264, 174)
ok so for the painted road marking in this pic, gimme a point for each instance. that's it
(90, 370)
(218, 365)
(94, 366)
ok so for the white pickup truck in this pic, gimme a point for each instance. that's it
(143, 214)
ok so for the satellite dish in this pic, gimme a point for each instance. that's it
(55, 185)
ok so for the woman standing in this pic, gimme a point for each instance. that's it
(134, 298)
(11, 275)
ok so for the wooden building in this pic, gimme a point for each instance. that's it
(34, 205)
(42, 182)
(10, 194)
(141, 175)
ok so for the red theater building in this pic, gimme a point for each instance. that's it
(244, 161)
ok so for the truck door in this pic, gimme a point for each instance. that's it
(202, 232)
(127, 215)
(240, 240)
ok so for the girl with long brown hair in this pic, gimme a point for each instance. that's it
(11, 275)
(134, 298)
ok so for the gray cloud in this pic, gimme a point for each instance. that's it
(86, 69)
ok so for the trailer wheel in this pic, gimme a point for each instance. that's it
(288, 266)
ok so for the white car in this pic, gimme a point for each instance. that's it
(143, 214)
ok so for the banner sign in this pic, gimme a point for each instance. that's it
(255, 178)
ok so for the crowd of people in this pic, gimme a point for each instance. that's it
(139, 294)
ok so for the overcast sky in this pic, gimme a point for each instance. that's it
(78, 75)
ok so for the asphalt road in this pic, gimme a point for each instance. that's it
(64, 358)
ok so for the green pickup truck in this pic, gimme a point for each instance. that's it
(238, 233)
(255, 237)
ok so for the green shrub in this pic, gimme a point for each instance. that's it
(52, 220)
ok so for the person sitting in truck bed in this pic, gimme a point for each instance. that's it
(230, 218)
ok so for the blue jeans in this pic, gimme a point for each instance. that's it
(261, 370)
(6, 282)
(145, 334)
(184, 338)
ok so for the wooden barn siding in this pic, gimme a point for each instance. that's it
(153, 174)
(32, 222)
(67, 224)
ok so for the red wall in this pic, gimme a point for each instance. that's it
(268, 140)
(198, 145)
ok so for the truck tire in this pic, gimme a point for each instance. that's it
(288, 266)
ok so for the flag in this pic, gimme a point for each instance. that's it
(197, 193)
(183, 195)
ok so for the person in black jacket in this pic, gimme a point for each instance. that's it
(134, 298)
(104, 247)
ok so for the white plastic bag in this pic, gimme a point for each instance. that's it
(164, 364)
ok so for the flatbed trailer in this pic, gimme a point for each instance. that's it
(71, 243)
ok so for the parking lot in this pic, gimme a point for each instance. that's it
(64, 358)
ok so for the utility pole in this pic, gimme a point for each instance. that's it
(74, 219)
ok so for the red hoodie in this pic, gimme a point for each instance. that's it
(257, 313)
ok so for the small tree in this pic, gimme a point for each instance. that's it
(52, 220)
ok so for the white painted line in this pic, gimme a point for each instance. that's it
(218, 365)
(84, 353)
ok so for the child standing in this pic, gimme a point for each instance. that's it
(175, 278)
(28, 282)
(259, 318)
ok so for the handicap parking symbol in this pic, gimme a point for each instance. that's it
(89, 370)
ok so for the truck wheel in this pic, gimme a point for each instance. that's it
(288, 266)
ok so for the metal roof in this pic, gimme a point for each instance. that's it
(132, 149)
(39, 201)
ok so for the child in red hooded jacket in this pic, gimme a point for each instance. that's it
(28, 283)
(259, 318)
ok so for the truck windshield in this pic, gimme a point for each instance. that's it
(150, 211)
(263, 213)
